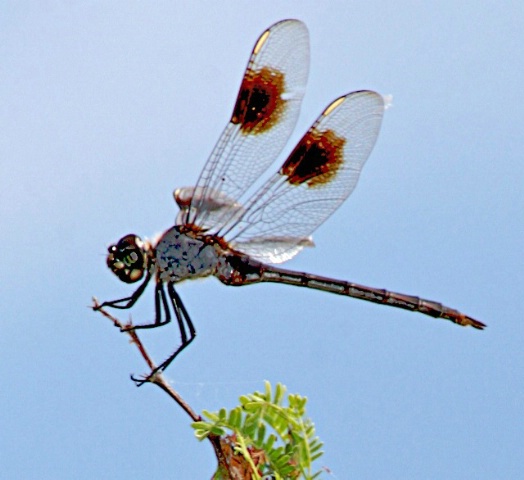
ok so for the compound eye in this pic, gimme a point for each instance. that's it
(128, 259)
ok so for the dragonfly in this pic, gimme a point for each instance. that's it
(229, 228)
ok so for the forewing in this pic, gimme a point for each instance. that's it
(264, 117)
(316, 178)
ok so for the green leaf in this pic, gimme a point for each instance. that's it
(262, 424)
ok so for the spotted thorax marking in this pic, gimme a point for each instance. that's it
(180, 256)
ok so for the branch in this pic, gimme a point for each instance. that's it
(237, 455)
(158, 379)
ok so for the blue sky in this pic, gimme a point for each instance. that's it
(109, 106)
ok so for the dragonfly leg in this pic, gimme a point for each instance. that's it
(160, 305)
(187, 332)
(126, 302)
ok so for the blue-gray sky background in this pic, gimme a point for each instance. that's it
(108, 106)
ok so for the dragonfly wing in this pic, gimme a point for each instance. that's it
(316, 178)
(214, 203)
(264, 117)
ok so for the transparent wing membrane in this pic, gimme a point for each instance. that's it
(317, 177)
(263, 118)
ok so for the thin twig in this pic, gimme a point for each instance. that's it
(158, 379)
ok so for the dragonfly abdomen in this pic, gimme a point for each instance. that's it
(375, 295)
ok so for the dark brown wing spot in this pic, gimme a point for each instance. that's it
(316, 159)
(259, 103)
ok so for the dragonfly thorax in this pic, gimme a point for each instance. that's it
(180, 256)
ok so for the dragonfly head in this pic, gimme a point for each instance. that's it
(128, 258)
